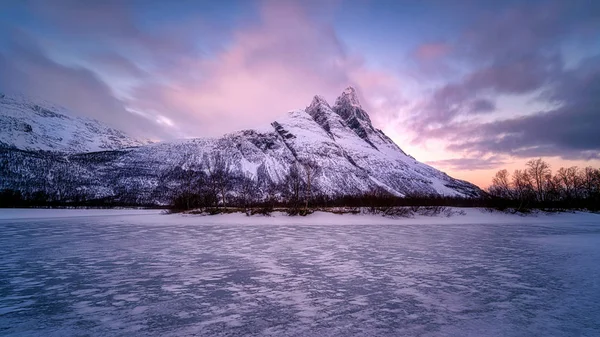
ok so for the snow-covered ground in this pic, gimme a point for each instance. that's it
(145, 216)
(132, 272)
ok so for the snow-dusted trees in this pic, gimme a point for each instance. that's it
(59, 182)
(248, 190)
(204, 182)
(193, 190)
(193, 181)
(219, 175)
(298, 186)
(311, 169)
(293, 186)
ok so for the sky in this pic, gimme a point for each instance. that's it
(468, 86)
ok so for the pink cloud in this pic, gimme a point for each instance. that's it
(431, 61)
(269, 68)
(432, 51)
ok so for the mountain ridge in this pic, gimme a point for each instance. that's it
(39, 125)
(352, 157)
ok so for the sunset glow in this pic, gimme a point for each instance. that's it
(468, 87)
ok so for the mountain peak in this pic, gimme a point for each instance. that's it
(349, 108)
(318, 110)
(350, 90)
(348, 97)
(318, 101)
(158, 173)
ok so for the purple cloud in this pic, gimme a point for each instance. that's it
(569, 131)
(197, 76)
(516, 52)
(25, 69)
(468, 164)
(482, 105)
(115, 63)
(268, 66)
(271, 66)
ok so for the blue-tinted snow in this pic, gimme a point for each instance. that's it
(123, 275)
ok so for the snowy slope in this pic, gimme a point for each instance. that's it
(351, 156)
(29, 125)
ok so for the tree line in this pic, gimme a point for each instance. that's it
(537, 187)
(534, 187)
(212, 184)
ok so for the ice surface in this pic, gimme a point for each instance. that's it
(128, 272)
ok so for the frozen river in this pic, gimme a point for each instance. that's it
(111, 273)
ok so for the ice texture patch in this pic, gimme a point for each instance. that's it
(128, 273)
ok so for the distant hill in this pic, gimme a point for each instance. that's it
(35, 125)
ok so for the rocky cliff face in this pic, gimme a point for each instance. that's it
(351, 155)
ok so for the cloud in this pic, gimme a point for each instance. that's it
(471, 95)
(270, 67)
(468, 164)
(117, 64)
(25, 69)
(569, 131)
(111, 24)
(482, 105)
(517, 51)
(431, 51)
(266, 67)
(201, 77)
(430, 61)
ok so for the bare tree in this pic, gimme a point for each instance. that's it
(219, 173)
(590, 181)
(248, 190)
(268, 188)
(60, 181)
(552, 188)
(538, 169)
(570, 181)
(293, 185)
(523, 187)
(570, 188)
(311, 169)
(192, 180)
(500, 185)
(187, 186)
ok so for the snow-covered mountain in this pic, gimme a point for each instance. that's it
(350, 156)
(29, 125)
